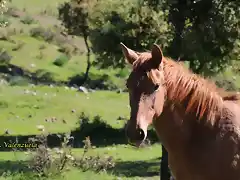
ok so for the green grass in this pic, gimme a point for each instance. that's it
(131, 163)
(20, 112)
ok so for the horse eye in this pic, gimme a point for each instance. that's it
(156, 87)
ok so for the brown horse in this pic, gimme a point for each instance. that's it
(198, 123)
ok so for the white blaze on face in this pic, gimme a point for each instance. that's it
(143, 125)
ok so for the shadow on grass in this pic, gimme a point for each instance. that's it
(142, 169)
(101, 135)
(147, 168)
(14, 167)
(18, 76)
(94, 81)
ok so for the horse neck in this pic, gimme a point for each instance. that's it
(191, 94)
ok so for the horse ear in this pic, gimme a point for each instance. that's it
(157, 55)
(129, 54)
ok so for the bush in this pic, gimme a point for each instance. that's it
(13, 11)
(4, 57)
(18, 81)
(28, 20)
(4, 21)
(18, 46)
(44, 75)
(123, 73)
(39, 32)
(46, 162)
(226, 84)
(61, 60)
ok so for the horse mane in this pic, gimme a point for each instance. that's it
(183, 86)
(202, 96)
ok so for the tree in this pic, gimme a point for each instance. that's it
(132, 22)
(206, 33)
(109, 22)
(74, 16)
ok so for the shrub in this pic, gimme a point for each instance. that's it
(3, 104)
(13, 11)
(42, 46)
(28, 20)
(4, 57)
(225, 84)
(4, 21)
(39, 32)
(18, 81)
(61, 60)
(40, 55)
(18, 46)
(66, 48)
(46, 162)
(123, 73)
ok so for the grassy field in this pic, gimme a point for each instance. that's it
(24, 106)
(34, 91)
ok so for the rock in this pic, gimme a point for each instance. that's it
(6, 131)
(40, 127)
(26, 91)
(73, 88)
(119, 91)
(53, 119)
(83, 89)
(33, 65)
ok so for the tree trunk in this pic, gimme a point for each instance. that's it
(85, 37)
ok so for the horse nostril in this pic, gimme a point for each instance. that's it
(140, 135)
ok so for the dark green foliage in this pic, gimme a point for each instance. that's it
(18, 81)
(111, 22)
(40, 32)
(226, 83)
(206, 33)
(61, 60)
(28, 20)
